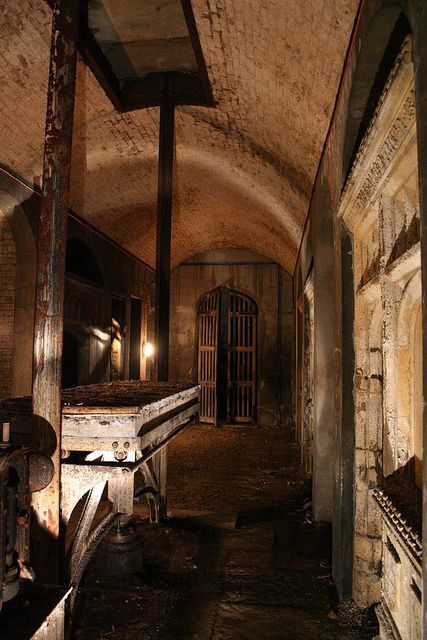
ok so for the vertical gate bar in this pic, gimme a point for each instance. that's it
(49, 300)
(229, 359)
(207, 356)
(199, 352)
(208, 368)
(163, 236)
(217, 312)
(240, 383)
(239, 362)
(238, 410)
(211, 387)
(246, 356)
(250, 364)
(254, 360)
(248, 367)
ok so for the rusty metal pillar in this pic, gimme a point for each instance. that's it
(163, 238)
(48, 327)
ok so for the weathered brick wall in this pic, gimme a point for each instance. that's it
(7, 303)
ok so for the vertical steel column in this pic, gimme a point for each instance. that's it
(50, 280)
(163, 239)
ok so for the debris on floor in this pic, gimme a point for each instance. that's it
(237, 558)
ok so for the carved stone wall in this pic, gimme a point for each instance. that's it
(380, 208)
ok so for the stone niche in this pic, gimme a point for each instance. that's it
(380, 208)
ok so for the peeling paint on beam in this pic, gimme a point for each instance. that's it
(50, 278)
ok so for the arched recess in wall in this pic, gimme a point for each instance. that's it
(381, 37)
(381, 46)
(378, 206)
(409, 379)
(84, 343)
(18, 260)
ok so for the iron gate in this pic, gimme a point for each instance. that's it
(229, 312)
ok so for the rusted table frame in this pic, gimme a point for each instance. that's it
(83, 477)
(143, 428)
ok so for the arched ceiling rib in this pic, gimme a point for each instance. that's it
(244, 170)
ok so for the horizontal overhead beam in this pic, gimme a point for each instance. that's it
(149, 91)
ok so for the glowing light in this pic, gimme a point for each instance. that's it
(148, 350)
(102, 336)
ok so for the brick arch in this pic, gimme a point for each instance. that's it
(409, 352)
(217, 202)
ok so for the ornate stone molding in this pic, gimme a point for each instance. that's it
(393, 121)
(409, 538)
(388, 630)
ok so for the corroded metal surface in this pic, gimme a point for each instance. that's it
(53, 628)
(135, 421)
(120, 396)
(82, 474)
(50, 273)
(85, 476)
(41, 470)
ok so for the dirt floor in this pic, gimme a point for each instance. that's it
(239, 557)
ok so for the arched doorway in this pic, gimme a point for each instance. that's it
(227, 354)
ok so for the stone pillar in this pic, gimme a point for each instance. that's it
(323, 410)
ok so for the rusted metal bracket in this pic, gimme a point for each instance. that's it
(151, 492)
(91, 478)
(87, 550)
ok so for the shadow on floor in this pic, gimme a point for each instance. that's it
(239, 558)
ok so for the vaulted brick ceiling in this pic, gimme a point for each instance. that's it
(244, 170)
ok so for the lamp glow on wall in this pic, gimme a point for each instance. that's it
(148, 350)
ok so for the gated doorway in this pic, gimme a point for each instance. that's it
(227, 353)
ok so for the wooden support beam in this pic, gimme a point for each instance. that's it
(163, 239)
(50, 281)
